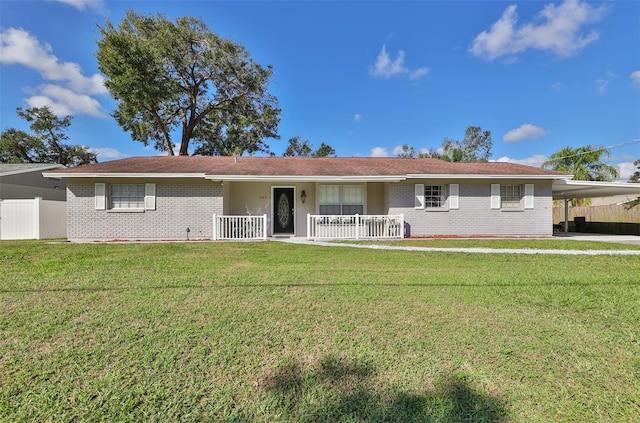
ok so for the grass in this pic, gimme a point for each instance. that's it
(273, 332)
(541, 244)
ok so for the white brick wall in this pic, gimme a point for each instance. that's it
(180, 204)
(474, 216)
(191, 203)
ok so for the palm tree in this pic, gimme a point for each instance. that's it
(585, 163)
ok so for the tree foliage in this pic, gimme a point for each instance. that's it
(585, 163)
(46, 143)
(474, 147)
(300, 148)
(169, 77)
(406, 152)
(635, 178)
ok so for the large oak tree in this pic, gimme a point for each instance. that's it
(179, 77)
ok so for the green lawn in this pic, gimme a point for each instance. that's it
(540, 244)
(274, 332)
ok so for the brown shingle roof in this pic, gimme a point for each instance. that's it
(301, 166)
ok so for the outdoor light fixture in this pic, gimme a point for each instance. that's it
(303, 196)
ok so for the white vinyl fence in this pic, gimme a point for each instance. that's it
(355, 226)
(33, 219)
(239, 227)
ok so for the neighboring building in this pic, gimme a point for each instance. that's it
(181, 197)
(25, 181)
(31, 205)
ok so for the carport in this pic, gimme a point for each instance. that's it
(565, 189)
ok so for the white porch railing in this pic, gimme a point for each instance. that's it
(239, 227)
(355, 226)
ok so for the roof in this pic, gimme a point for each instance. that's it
(564, 189)
(7, 169)
(302, 168)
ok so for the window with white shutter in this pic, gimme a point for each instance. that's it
(100, 196)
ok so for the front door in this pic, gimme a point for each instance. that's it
(283, 211)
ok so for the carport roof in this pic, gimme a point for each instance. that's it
(564, 189)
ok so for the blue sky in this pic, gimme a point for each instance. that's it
(367, 77)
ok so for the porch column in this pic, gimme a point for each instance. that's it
(566, 215)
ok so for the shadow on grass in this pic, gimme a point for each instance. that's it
(333, 390)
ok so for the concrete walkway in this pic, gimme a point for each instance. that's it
(584, 237)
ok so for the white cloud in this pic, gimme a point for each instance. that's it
(357, 117)
(635, 78)
(19, 47)
(418, 73)
(397, 150)
(63, 101)
(108, 153)
(386, 68)
(379, 152)
(524, 132)
(95, 5)
(559, 31)
(625, 170)
(602, 84)
(536, 160)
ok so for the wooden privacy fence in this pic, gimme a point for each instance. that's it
(612, 219)
(612, 213)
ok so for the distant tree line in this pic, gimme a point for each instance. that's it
(46, 142)
(474, 147)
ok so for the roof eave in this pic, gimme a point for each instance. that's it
(306, 178)
(484, 176)
(122, 175)
(33, 169)
(569, 189)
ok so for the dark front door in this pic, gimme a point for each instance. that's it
(283, 211)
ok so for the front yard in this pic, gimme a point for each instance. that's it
(274, 332)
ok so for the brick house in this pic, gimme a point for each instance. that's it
(146, 198)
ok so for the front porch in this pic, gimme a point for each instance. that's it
(324, 227)
(355, 226)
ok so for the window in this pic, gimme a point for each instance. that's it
(437, 197)
(341, 199)
(126, 196)
(511, 196)
(434, 196)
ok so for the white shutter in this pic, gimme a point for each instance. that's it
(528, 196)
(454, 190)
(419, 191)
(100, 196)
(149, 196)
(495, 196)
